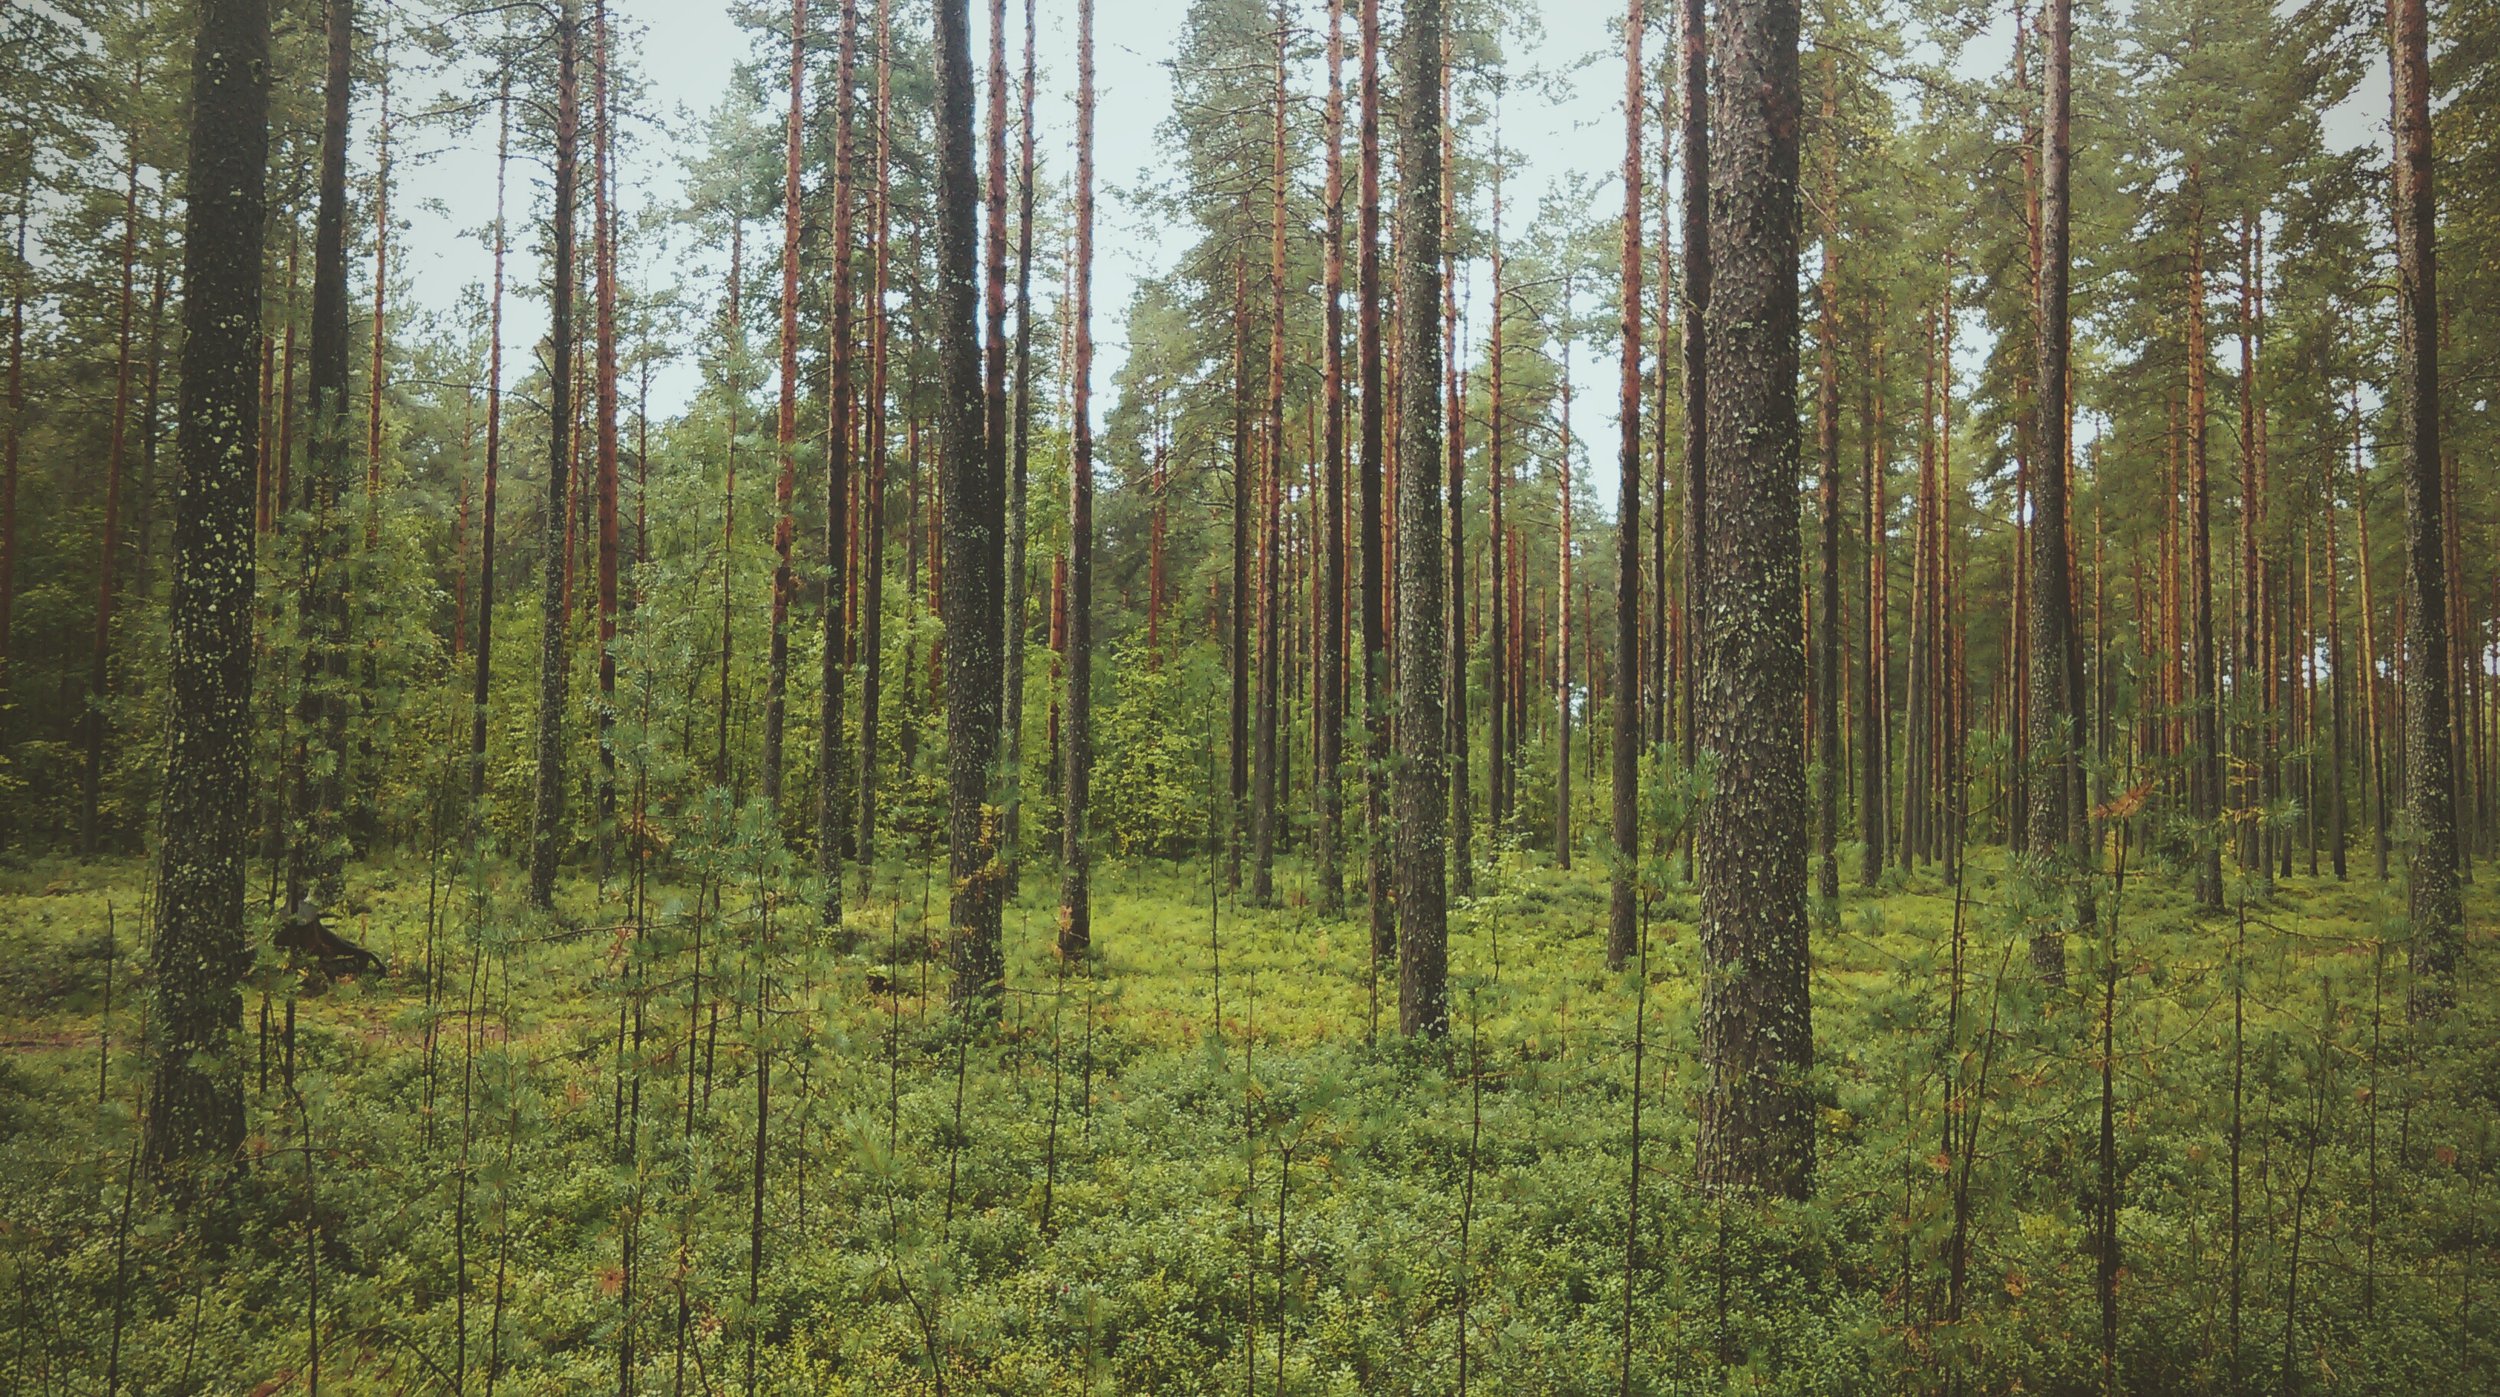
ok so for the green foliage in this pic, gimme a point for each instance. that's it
(478, 1126)
(1152, 764)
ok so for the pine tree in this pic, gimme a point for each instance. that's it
(974, 504)
(1328, 712)
(484, 654)
(833, 808)
(785, 526)
(1375, 597)
(1422, 771)
(1757, 1121)
(195, 1098)
(2056, 664)
(2430, 772)
(1622, 925)
(548, 828)
(317, 850)
(1077, 750)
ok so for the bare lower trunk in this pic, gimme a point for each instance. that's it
(547, 825)
(1622, 927)
(1757, 1121)
(195, 1096)
(2430, 771)
(974, 506)
(1077, 748)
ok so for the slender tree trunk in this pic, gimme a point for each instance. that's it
(1623, 924)
(2374, 748)
(1660, 716)
(195, 1095)
(2430, 770)
(483, 669)
(9, 458)
(1505, 693)
(1874, 685)
(785, 527)
(2249, 676)
(1757, 1121)
(1263, 802)
(1328, 715)
(547, 824)
(1017, 489)
(1453, 386)
(2337, 707)
(603, 260)
(1010, 779)
(974, 506)
(2205, 785)
(1831, 665)
(1375, 598)
(1697, 275)
(1077, 748)
(733, 355)
(364, 796)
(1422, 772)
(2055, 720)
(833, 807)
(1562, 602)
(872, 594)
(1239, 604)
(317, 851)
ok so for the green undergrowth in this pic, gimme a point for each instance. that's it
(523, 1161)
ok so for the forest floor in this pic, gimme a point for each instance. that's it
(533, 1150)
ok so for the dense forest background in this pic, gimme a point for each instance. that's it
(1597, 792)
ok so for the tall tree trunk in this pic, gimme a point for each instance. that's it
(2337, 706)
(2374, 749)
(1915, 789)
(2430, 771)
(1622, 927)
(785, 527)
(733, 359)
(1757, 1120)
(872, 594)
(1696, 359)
(1375, 598)
(1562, 602)
(1831, 665)
(1263, 802)
(317, 854)
(2054, 719)
(362, 793)
(2206, 771)
(1017, 486)
(1010, 796)
(1874, 685)
(1462, 801)
(1659, 719)
(195, 1095)
(483, 669)
(974, 504)
(9, 458)
(1328, 715)
(547, 822)
(1077, 747)
(603, 260)
(1422, 771)
(833, 807)
(1239, 604)
(1505, 695)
